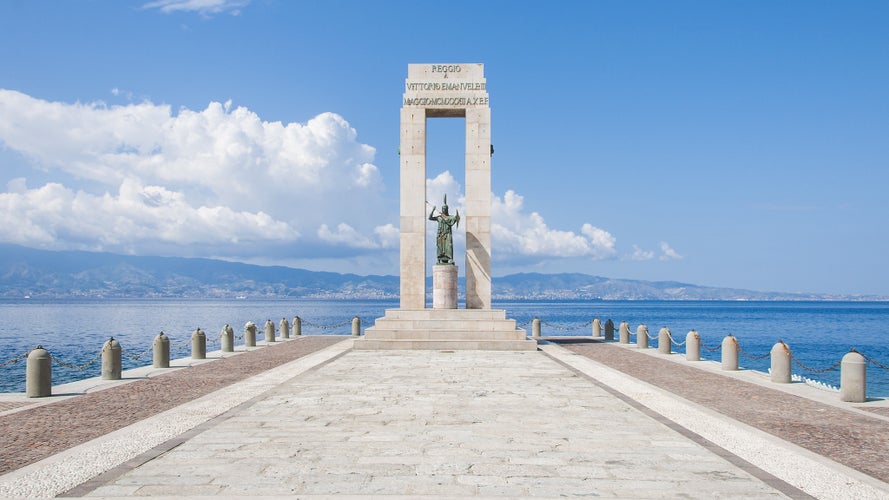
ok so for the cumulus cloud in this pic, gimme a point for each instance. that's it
(216, 174)
(205, 7)
(639, 254)
(520, 233)
(668, 253)
(53, 216)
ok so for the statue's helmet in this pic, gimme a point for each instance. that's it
(444, 206)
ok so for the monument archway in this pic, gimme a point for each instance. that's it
(435, 91)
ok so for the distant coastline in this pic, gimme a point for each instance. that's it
(42, 274)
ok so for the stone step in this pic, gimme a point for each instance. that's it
(447, 314)
(445, 345)
(450, 334)
(504, 325)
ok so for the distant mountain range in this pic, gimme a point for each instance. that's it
(26, 272)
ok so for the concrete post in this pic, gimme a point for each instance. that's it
(692, 346)
(624, 332)
(161, 351)
(535, 328)
(111, 360)
(269, 331)
(38, 374)
(664, 341)
(198, 344)
(250, 334)
(356, 326)
(597, 328)
(284, 326)
(729, 353)
(227, 339)
(642, 336)
(780, 357)
(297, 326)
(853, 378)
(609, 330)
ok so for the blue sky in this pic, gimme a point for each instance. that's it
(734, 143)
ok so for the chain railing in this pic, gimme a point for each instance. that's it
(15, 359)
(82, 367)
(566, 328)
(328, 327)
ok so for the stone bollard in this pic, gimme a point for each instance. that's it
(297, 326)
(663, 341)
(692, 346)
(198, 344)
(38, 373)
(535, 328)
(356, 326)
(597, 328)
(161, 351)
(729, 353)
(624, 332)
(111, 360)
(269, 331)
(780, 356)
(284, 326)
(642, 336)
(250, 334)
(853, 378)
(609, 330)
(227, 339)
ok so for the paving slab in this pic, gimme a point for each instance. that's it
(339, 423)
(448, 424)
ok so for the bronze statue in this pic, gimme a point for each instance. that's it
(444, 242)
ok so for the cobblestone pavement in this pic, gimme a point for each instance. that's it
(437, 423)
(32, 434)
(847, 437)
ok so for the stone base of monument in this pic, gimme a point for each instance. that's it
(444, 286)
(445, 330)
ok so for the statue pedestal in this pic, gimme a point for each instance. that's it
(444, 286)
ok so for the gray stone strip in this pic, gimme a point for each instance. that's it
(108, 476)
(64, 471)
(748, 467)
(807, 471)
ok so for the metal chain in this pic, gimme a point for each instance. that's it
(677, 344)
(15, 359)
(327, 327)
(136, 357)
(753, 358)
(76, 367)
(711, 349)
(813, 370)
(871, 360)
(563, 328)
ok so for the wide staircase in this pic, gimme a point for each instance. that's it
(445, 330)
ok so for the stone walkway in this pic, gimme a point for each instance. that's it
(36, 433)
(337, 423)
(850, 438)
(458, 424)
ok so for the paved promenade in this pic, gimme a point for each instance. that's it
(557, 422)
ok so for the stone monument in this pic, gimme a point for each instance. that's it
(434, 91)
(444, 272)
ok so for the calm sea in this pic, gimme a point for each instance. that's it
(818, 333)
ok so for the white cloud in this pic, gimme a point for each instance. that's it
(53, 216)
(518, 233)
(668, 253)
(204, 7)
(639, 254)
(217, 174)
